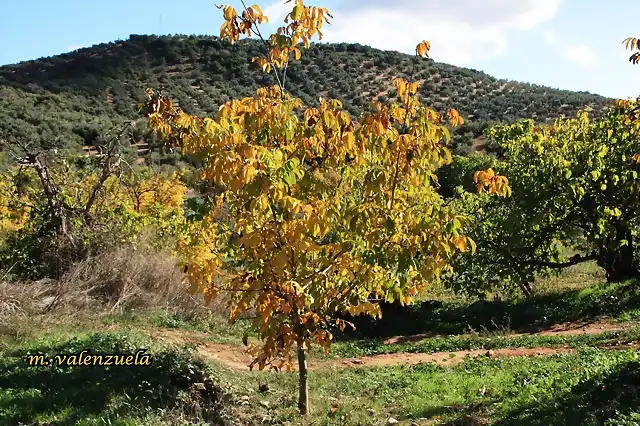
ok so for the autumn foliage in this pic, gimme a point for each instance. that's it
(633, 44)
(317, 214)
(324, 214)
(125, 207)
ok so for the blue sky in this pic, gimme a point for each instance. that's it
(568, 44)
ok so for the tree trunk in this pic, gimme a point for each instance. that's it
(619, 263)
(303, 390)
(619, 266)
(526, 288)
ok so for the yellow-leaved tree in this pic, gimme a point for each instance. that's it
(124, 207)
(317, 214)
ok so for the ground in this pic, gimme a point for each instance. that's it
(567, 356)
(235, 358)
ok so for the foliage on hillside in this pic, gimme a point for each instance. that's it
(70, 99)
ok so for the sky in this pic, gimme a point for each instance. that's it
(566, 44)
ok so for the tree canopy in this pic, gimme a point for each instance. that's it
(575, 184)
(317, 214)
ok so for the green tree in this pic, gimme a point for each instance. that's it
(574, 184)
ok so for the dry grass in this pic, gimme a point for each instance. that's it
(123, 279)
(576, 277)
(126, 278)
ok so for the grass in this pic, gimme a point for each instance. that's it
(215, 326)
(616, 301)
(60, 395)
(588, 388)
(592, 387)
(453, 324)
(352, 349)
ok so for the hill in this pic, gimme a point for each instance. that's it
(61, 101)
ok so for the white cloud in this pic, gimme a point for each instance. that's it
(277, 11)
(580, 54)
(459, 32)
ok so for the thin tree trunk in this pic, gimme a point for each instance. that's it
(526, 288)
(303, 390)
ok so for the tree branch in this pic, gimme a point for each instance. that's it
(574, 260)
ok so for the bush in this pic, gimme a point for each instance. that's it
(460, 172)
(123, 279)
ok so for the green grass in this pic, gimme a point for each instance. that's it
(59, 395)
(215, 326)
(586, 388)
(616, 301)
(592, 387)
(475, 341)
(583, 389)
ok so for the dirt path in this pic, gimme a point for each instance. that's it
(438, 358)
(562, 329)
(235, 358)
(226, 354)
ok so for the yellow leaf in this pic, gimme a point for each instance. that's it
(472, 244)
(455, 119)
(264, 203)
(248, 174)
(422, 49)
(461, 244)
(257, 9)
(297, 12)
(230, 13)
(349, 140)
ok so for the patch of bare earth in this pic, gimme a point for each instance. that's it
(438, 358)
(225, 354)
(234, 357)
(479, 144)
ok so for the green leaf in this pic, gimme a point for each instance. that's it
(389, 224)
(289, 178)
(603, 151)
(353, 223)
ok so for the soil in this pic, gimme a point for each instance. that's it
(225, 354)
(438, 358)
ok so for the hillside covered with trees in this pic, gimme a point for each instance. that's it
(72, 99)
